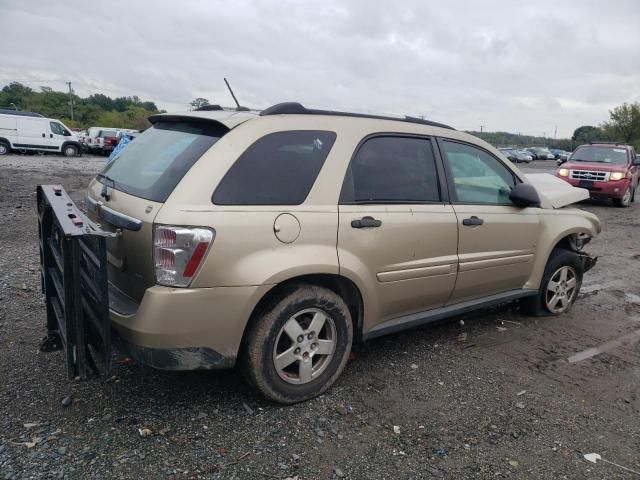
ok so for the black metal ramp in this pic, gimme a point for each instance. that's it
(73, 260)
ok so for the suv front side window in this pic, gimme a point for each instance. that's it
(390, 169)
(278, 169)
(477, 176)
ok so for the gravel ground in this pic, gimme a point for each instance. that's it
(490, 397)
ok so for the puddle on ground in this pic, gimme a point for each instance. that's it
(632, 298)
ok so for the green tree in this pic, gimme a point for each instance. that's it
(624, 123)
(196, 103)
(102, 101)
(588, 133)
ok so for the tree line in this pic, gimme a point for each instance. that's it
(130, 112)
(94, 110)
(623, 126)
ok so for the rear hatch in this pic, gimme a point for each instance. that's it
(129, 192)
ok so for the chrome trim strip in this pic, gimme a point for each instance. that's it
(117, 219)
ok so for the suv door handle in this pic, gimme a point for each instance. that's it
(366, 222)
(472, 221)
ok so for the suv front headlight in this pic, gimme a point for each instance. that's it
(617, 176)
(563, 172)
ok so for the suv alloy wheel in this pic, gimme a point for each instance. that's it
(299, 344)
(560, 285)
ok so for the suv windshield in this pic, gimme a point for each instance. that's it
(151, 166)
(600, 155)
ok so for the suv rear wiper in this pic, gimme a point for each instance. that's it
(106, 179)
(106, 183)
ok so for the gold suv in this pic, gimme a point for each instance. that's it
(275, 240)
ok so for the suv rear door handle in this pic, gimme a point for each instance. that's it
(472, 221)
(366, 222)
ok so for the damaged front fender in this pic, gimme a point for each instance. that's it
(588, 261)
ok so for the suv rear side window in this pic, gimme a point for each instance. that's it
(152, 165)
(278, 169)
(389, 169)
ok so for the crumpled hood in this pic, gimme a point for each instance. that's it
(556, 191)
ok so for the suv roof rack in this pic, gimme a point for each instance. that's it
(295, 108)
(622, 144)
(7, 111)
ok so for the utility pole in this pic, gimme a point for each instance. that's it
(481, 128)
(70, 99)
(555, 133)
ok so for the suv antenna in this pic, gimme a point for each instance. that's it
(239, 108)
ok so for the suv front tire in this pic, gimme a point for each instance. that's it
(560, 284)
(299, 344)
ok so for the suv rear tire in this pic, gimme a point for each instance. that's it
(559, 287)
(299, 345)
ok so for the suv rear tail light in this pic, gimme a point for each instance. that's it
(178, 253)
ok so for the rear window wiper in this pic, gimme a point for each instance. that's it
(106, 183)
(106, 179)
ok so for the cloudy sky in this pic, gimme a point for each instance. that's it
(516, 66)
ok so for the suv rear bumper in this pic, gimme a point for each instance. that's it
(610, 189)
(187, 329)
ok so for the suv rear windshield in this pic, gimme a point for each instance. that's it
(600, 155)
(152, 165)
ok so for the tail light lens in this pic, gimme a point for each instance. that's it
(178, 253)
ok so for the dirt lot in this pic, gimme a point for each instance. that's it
(491, 397)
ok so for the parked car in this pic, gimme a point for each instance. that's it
(542, 153)
(102, 140)
(236, 245)
(31, 132)
(606, 170)
(516, 156)
(527, 155)
(563, 157)
(533, 153)
(556, 152)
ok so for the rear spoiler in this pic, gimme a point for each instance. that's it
(228, 119)
(73, 265)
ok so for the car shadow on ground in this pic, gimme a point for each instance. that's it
(228, 387)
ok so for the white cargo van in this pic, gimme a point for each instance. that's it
(28, 131)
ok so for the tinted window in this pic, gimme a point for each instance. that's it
(153, 165)
(478, 177)
(278, 169)
(392, 170)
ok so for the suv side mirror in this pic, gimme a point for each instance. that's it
(524, 195)
(636, 161)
